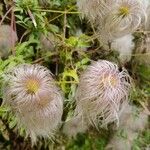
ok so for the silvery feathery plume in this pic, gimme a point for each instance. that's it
(94, 10)
(31, 93)
(132, 121)
(124, 46)
(8, 38)
(101, 94)
(124, 18)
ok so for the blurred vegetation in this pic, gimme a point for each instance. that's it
(68, 55)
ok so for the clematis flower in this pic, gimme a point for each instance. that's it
(37, 102)
(102, 92)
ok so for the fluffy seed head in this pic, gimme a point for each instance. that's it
(101, 93)
(124, 18)
(34, 98)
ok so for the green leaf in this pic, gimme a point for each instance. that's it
(71, 73)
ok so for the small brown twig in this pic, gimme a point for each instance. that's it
(3, 18)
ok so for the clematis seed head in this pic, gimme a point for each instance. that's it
(124, 17)
(35, 99)
(102, 92)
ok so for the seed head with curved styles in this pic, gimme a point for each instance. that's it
(34, 98)
(102, 92)
(124, 17)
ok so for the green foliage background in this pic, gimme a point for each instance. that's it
(69, 58)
